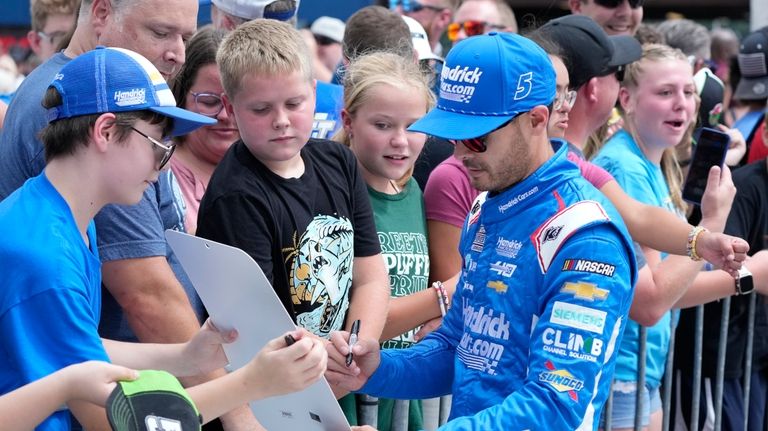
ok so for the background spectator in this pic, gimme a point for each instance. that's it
(52, 21)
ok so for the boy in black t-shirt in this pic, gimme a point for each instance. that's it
(297, 205)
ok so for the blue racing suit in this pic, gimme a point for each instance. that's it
(542, 301)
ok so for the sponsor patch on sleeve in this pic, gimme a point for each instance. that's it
(551, 235)
(586, 291)
(590, 266)
(578, 317)
(561, 380)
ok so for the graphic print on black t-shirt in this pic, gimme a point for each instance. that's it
(320, 273)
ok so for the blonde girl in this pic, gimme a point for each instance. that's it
(384, 94)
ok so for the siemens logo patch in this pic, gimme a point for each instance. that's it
(591, 266)
(578, 317)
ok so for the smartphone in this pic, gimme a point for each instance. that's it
(710, 150)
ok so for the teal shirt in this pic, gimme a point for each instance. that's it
(402, 229)
(644, 181)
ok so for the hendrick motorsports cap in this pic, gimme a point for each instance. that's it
(589, 52)
(118, 80)
(153, 402)
(486, 81)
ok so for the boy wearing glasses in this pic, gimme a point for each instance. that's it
(52, 20)
(617, 17)
(541, 301)
(107, 110)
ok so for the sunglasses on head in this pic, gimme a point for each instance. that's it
(471, 28)
(612, 4)
(478, 145)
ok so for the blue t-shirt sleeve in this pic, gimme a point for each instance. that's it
(50, 331)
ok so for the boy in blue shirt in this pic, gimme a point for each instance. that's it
(108, 111)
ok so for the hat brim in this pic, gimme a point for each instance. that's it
(749, 88)
(184, 121)
(455, 125)
(431, 56)
(626, 49)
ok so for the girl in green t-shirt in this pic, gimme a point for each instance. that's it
(383, 95)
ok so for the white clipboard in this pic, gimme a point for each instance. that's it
(238, 295)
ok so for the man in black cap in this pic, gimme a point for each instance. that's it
(752, 88)
(595, 63)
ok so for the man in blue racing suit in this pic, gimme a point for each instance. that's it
(548, 267)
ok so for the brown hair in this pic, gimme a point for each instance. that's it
(374, 28)
(63, 137)
(200, 51)
(40, 10)
(263, 47)
(381, 68)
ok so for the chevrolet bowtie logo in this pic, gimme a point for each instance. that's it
(585, 291)
(498, 286)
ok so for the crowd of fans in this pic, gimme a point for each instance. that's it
(501, 213)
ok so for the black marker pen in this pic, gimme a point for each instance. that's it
(289, 340)
(353, 339)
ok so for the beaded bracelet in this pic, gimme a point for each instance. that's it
(693, 236)
(442, 297)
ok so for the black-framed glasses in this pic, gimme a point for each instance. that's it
(613, 4)
(208, 104)
(478, 145)
(568, 96)
(414, 6)
(163, 152)
(54, 38)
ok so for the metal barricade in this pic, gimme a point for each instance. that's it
(436, 412)
(697, 385)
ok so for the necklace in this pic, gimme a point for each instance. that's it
(394, 186)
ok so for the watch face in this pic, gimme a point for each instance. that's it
(744, 285)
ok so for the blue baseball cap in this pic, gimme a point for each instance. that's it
(486, 81)
(118, 80)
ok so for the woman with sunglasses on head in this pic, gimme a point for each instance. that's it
(198, 88)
